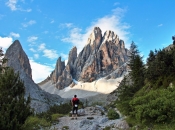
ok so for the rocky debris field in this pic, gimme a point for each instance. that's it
(90, 118)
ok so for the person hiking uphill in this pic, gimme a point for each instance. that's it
(75, 102)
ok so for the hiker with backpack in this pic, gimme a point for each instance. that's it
(75, 103)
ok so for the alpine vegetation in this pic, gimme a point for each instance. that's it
(14, 107)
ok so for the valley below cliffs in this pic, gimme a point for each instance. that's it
(92, 74)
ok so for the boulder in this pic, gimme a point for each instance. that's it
(81, 112)
(102, 120)
(100, 108)
(122, 124)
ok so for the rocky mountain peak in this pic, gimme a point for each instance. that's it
(60, 65)
(101, 56)
(72, 56)
(94, 39)
(97, 34)
(16, 44)
(122, 44)
(110, 36)
(18, 58)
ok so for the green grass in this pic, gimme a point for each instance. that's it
(33, 123)
(56, 116)
(164, 127)
(112, 114)
(160, 126)
(155, 127)
(96, 103)
(107, 128)
(45, 119)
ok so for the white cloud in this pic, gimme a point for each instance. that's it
(66, 61)
(36, 56)
(52, 21)
(116, 3)
(32, 39)
(42, 46)
(64, 56)
(33, 50)
(51, 54)
(31, 22)
(5, 42)
(160, 25)
(26, 10)
(46, 32)
(40, 71)
(16, 35)
(109, 22)
(66, 25)
(119, 12)
(12, 4)
(77, 38)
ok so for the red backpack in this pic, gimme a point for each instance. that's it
(75, 101)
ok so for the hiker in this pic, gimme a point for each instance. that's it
(75, 102)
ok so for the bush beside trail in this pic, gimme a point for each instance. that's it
(146, 95)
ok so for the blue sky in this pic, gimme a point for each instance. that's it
(48, 29)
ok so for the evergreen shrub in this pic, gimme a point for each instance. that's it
(35, 123)
(14, 107)
(112, 114)
(156, 106)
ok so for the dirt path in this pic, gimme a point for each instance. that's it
(73, 124)
(81, 121)
(92, 120)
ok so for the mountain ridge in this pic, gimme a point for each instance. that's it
(100, 56)
(102, 59)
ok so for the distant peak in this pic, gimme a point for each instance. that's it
(59, 59)
(74, 48)
(110, 35)
(109, 32)
(97, 30)
(16, 44)
(17, 59)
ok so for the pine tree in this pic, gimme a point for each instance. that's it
(2, 61)
(160, 66)
(14, 108)
(137, 67)
(132, 83)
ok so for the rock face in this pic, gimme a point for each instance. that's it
(101, 56)
(18, 60)
(61, 76)
(15, 54)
